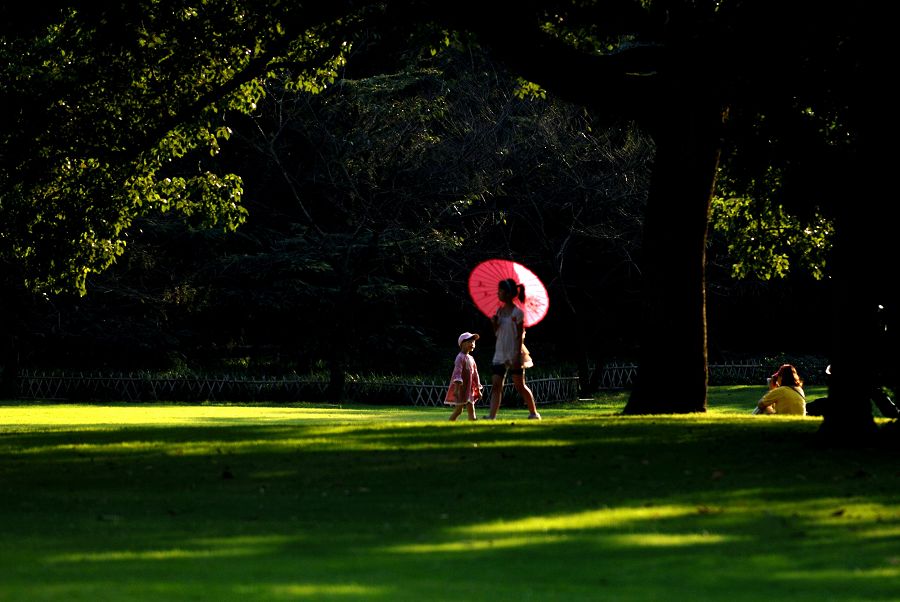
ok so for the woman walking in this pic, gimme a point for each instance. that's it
(510, 356)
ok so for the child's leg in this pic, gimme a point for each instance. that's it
(457, 410)
(525, 393)
(470, 408)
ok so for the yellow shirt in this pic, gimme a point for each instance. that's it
(787, 400)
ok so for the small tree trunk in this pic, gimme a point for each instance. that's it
(337, 381)
(9, 351)
(9, 368)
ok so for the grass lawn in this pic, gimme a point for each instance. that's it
(176, 502)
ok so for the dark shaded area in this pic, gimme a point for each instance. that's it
(79, 508)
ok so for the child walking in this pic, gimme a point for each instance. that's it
(465, 385)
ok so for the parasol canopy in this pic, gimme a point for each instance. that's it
(485, 279)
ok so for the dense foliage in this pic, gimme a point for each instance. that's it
(118, 112)
(115, 111)
(368, 204)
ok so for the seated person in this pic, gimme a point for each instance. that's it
(785, 395)
(771, 383)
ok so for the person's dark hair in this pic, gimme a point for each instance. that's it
(515, 290)
(788, 377)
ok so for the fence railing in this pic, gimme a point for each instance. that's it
(554, 389)
(132, 387)
(617, 376)
(622, 375)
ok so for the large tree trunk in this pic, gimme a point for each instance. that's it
(672, 370)
(866, 256)
(864, 270)
(855, 360)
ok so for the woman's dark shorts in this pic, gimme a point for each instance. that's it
(502, 370)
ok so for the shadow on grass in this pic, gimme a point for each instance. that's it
(613, 508)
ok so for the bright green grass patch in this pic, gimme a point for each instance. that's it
(358, 503)
(734, 399)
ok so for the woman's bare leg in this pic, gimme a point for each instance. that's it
(496, 395)
(525, 393)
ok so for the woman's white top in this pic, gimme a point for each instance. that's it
(508, 346)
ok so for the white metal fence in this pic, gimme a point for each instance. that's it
(132, 387)
(553, 389)
(622, 375)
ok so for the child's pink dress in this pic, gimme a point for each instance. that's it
(464, 364)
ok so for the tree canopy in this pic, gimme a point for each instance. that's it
(374, 198)
(114, 111)
(117, 109)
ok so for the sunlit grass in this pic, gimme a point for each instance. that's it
(727, 400)
(319, 591)
(74, 416)
(592, 519)
(730, 400)
(175, 502)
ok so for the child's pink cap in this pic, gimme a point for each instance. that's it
(465, 337)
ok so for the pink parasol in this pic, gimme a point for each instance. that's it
(486, 277)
